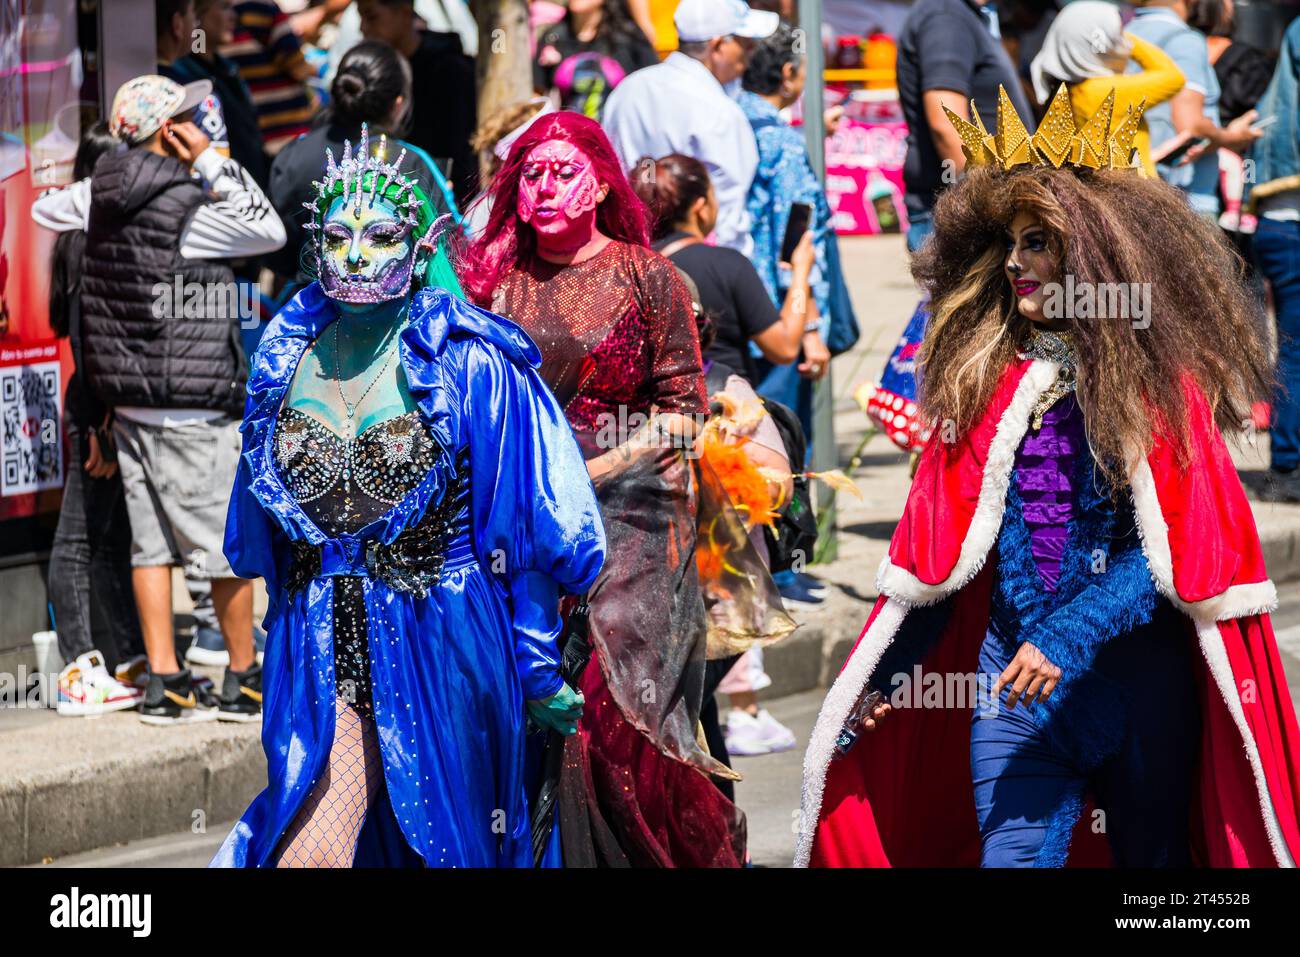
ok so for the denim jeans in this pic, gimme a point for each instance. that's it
(1277, 253)
(90, 565)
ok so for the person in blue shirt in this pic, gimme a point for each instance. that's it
(774, 79)
(1274, 197)
(1194, 110)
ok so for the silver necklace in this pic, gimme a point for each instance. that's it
(348, 407)
(1052, 347)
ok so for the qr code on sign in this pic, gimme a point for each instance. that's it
(31, 451)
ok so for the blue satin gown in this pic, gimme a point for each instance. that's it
(450, 670)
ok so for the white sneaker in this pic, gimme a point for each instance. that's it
(86, 688)
(749, 736)
(775, 733)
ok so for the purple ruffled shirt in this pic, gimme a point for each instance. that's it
(1045, 473)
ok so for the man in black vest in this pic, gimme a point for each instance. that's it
(160, 327)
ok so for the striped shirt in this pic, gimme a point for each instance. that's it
(269, 58)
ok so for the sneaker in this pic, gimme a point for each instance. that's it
(241, 695)
(797, 595)
(747, 735)
(1281, 486)
(775, 733)
(86, 688)
(134, 673)
(209, 647)
(173, 699)
(813, 585)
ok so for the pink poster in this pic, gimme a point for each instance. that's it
(864, 169)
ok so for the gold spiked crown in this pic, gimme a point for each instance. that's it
(1096, 145)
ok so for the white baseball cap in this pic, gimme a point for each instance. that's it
(697, 20)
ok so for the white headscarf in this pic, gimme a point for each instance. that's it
(1085, 40)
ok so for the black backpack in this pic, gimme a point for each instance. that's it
(796, 527)
(1244, 73)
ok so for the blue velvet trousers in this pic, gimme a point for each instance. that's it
(1032, 772)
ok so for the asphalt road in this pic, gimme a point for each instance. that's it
(769, 792)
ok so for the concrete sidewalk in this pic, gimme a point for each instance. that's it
(69, 785)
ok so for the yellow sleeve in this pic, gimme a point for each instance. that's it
(1159, 80)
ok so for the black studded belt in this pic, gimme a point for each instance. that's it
(412, 562)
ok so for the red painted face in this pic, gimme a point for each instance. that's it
(558, 195)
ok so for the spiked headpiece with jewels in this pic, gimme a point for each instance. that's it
(1096, 145)
(361, 177)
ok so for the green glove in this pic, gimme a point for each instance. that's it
(560, 712)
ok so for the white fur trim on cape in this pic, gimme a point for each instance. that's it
(902, 585)
(1237, 602)
(835, 709)
(1216, 658)
(904, 590)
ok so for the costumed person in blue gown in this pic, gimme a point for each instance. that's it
(417, 504)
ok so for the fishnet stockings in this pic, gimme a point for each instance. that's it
(325, 830)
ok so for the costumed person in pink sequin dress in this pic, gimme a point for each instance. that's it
(565, 254)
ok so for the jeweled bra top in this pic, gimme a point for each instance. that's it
(344, 485)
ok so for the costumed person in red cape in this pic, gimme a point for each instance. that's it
(1072, 643)
(565, 254)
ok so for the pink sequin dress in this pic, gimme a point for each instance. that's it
(616, 331)
(619, 340)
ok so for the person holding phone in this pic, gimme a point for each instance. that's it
(786, 188)
(173, 378)
(1192, 113)
(677, 190)
(785, 192)
(90, 568)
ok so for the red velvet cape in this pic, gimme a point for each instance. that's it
(903, 795)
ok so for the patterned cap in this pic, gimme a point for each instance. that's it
(141, 105)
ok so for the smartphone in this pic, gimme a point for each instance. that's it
(865, 704)
(1264, 123)
(1172, 157)
(795, 227)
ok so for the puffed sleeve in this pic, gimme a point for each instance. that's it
(536, 523)
(1117, 599)
(675, 339)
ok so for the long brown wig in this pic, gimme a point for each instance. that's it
(1104, 227)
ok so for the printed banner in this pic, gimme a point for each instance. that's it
(40, 122)
(31, 447)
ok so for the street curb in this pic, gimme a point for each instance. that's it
(196, 775)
